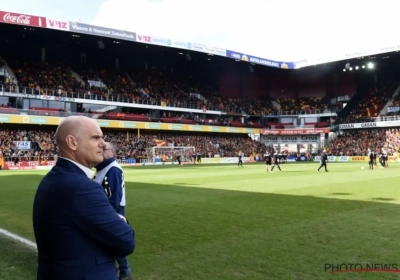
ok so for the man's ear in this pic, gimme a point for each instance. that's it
(72, 142)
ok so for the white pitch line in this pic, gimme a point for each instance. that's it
(18, 238)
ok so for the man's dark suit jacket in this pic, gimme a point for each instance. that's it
(78, 233)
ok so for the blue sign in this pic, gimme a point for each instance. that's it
(131, 160)
(260, 61)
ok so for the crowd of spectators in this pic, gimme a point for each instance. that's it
(305, 104)
(372, 103)
(129, 145)
(357, 142)
(151, 87)
(134, 145)
(42, 144)
(45, 78)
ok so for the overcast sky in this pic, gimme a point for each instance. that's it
(280, 30)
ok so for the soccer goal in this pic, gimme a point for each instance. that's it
(169, 154)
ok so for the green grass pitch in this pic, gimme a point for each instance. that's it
(225, 222)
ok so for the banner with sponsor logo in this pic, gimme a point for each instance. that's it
(369, 124)
(22, 19)
(343, 98)
(22, 165)
(294, 139)
(366, 159)
(28, 165)
(198, 47)
(330, 158)
(35, 96)
(393, 109)
(22, 145)
(58, 24)
(293, 131)
(98, 84)
(181, 44)
(358, 158)
(101, 31)
(214, 51)
(351, 158)
(153, 40)
(343, 158)
(19, 95)
(260, 61)
(46, 120)
(226, 160)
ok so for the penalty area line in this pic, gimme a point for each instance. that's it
(18, 238)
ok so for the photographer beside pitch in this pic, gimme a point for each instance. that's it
(111, 177)
(78, 233)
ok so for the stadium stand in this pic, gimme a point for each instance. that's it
(134, 74)
(373, 102)
(305, 104)
(96, 79)
(357, 142)
(129, 145)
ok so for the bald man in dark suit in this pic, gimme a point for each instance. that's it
(78, 233)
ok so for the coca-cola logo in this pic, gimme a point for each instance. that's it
(18, 19)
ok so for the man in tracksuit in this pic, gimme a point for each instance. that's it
(111, 176)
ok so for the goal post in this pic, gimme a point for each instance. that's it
(168, 154)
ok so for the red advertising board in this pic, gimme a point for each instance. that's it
(293, 131)
(26, 165)
(22, 19)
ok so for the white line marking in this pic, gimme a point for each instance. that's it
(18, 238)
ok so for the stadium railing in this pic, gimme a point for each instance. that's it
(371, 119)
(54, 112)
(305, 112)
(33, 93)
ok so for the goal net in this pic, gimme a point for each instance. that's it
(169, 154)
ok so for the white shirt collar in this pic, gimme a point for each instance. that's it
(87, 171)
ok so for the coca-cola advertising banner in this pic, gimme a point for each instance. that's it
(22, 19)
(101, 31)
(293, 131)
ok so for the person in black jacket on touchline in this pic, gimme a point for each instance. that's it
(324, 161)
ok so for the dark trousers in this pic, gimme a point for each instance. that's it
(323, 164)
(277, 165)
(123, 265)
(371, 164)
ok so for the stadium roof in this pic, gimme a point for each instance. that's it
(305, 32)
